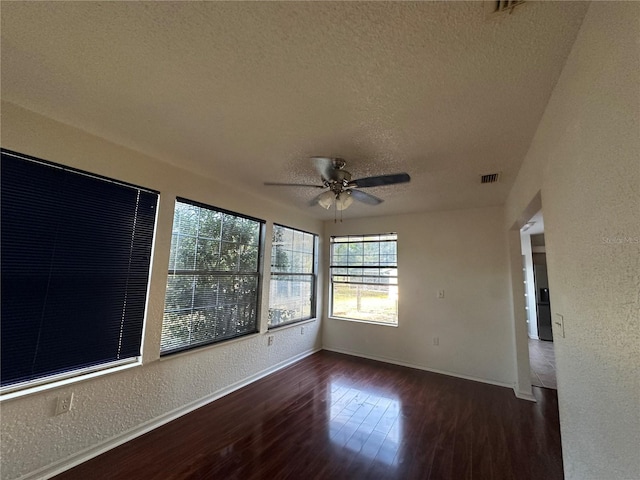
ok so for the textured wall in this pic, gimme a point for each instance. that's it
(108, 406)
(586, 153)
(462, 252)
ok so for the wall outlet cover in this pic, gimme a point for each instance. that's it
(64, 403)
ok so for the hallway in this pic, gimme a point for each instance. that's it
(543, 364)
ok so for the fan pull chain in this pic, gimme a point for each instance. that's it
(335, 212)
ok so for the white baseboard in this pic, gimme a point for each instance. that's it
(93, 451)
(524, 395)
(419, 367)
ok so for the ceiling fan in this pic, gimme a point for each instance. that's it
(341, 190)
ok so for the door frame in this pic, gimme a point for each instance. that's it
(522, 387)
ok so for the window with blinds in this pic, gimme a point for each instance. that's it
(213, 285)
(293, 276)
(76, 251)
(364, 278)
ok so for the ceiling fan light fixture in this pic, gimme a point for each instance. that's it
(343, 200)
(326, 199)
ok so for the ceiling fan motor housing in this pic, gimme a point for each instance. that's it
(339, 181)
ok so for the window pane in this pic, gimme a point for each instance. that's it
(249, 258)
(290, 298)
(308, 243)
(184, 251)
(176, 329)
(203, 324)
(364, 278)
(206, 291)
(213, 293)
(179, 292)
(340, 259)
(229, 255)
(207, 254)
(210, 224)
(339, 249)
(376, 303)
(292, 288)
(388, 260)
(185, 220)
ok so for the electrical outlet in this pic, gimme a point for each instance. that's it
(64, 403)
(270, 340)
(436, 341)
(440, 293)
(301, 330)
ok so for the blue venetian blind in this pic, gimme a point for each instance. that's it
(75, 256)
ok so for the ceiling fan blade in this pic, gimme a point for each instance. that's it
(324, 166)
(365, 197)
(380, 180)
(293, 184)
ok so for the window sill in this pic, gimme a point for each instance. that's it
(382, 324)
(290, 325)
(72, 380)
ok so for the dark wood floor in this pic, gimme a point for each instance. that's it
(332, 416)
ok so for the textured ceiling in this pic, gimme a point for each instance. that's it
(247, 91)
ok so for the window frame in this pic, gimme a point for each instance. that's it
(333, 266)
(313, 275)
(258, 275)
(88, 366)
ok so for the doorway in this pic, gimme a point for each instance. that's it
(538, 304)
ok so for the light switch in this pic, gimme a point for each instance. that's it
(559, 325)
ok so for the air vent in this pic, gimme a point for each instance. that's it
(501, 6)
(490, 178)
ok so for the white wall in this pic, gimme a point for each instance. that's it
(585, 160)
(109, 408)
(463, 252)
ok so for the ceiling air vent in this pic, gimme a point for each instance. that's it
(500, 6)
(490, 178)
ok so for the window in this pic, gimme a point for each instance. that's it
(76, 250)
(214, 277)
(293, 277)
(364, 278)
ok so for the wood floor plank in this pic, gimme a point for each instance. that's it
(333, 416)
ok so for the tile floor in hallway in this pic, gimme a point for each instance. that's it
(543, 364)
